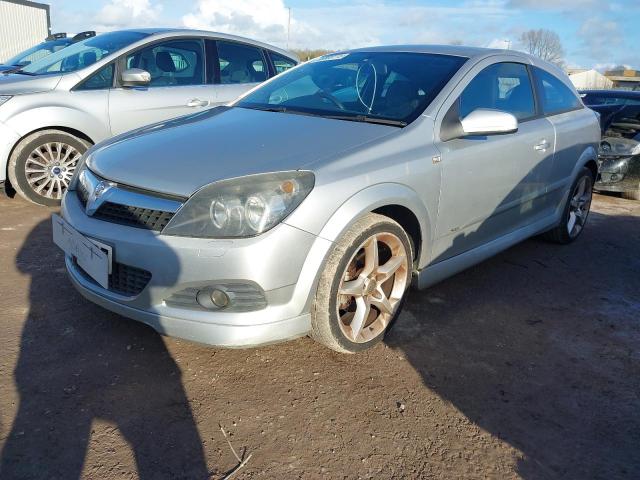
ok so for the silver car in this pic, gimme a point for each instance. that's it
(53, 109)
(309, 205)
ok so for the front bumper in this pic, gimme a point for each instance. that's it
(283, 262)
(8, 139)
(618, 174)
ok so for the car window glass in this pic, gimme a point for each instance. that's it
(100, 80)
(83, 54)
(281, 63)
(556, 96)
(394, 86)
(172, 63)
(240, 63)
(502, 86)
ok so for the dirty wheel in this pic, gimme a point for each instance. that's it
(576, 210)
(42, 165)
(363, 285)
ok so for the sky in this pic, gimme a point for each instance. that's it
(594, 33)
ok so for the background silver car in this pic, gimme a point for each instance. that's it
(53, 109)
(307, 206)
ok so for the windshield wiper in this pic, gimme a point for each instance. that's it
(350, 118)
(21, 72)
(281, 109)
(369, 119)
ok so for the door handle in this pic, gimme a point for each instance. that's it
(542, 146)
(196, 102)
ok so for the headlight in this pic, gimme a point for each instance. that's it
(4, 98)
(242, 207)
(80, 166)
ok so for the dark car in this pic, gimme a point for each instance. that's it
(619, 154)
(52, 44)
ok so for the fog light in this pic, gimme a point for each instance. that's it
(213, 298)
(219, 298)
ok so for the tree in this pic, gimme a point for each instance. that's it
(544, 44)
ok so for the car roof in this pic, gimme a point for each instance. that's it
(613, 93)
(455, 50)
(168, 32)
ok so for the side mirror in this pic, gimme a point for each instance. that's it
(489, 122)
(135, 77)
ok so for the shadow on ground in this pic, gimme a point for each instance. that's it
(539, 347)
(127, 378)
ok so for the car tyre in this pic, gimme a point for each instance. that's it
(363, 285)
(42, 164)
(576, 210)
(632, 194)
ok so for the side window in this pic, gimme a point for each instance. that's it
(502, 86)
(556, 96)
(173, 63)
(100, 80)
(240, 63)
(281, 63)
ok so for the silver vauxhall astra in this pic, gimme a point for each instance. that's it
(312, 203)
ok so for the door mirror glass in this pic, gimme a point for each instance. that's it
(483, 121)
(135, 77)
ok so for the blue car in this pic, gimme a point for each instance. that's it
(51, 45)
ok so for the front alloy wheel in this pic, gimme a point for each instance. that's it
(49, 168)
(363, 285)
(42, 164)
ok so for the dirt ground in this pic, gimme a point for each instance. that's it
(526, 366)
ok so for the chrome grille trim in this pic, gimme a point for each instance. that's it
(110, 202)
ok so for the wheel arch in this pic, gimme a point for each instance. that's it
(396, 201)
(69, 130)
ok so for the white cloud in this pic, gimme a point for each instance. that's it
(262, 19)
(340, 25)
(127, 13)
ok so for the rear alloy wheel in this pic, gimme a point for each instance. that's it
(363, 285)
(42, 165)
(576, 211)
(579, 206)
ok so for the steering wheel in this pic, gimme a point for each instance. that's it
(331, 98)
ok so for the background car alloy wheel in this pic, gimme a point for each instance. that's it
(42, 164)
(363, 285)
(49, 168)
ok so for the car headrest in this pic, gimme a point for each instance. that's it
(165, 62)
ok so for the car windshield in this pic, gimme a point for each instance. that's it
(39, 51)
(380, 87)
(82, 54)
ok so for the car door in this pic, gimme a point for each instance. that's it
(570, 119)
(240, 67)
(494, 184)
(178, 84)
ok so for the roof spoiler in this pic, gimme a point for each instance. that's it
(56, 36)
(83, 35)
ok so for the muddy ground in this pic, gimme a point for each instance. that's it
(526, 366)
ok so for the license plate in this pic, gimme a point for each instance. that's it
(94, 259)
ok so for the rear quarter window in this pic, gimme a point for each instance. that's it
(556, 97)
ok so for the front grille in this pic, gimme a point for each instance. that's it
(127, 280)
(124, 280)
(133, 216)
